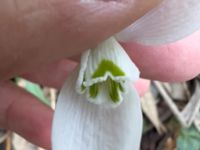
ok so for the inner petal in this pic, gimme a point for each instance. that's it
(114, 90)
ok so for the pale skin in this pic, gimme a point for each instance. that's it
(39, 39)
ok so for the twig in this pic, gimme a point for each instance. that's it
(170, 103)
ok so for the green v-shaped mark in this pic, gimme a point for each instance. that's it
(107, 66)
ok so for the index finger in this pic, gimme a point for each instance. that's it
(35, 33)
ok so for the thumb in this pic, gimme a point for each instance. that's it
(34, 33)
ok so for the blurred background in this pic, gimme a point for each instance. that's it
(171, 116)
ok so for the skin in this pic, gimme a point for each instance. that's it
(45, 31)
(38, 38)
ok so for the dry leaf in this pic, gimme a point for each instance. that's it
(150, 109)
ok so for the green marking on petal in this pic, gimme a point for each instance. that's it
(107, 66)
(83, 87)
(113, 88)
(120, 87)
(94, 90)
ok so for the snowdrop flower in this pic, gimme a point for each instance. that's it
(98, 108)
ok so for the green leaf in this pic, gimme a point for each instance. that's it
(35, 89)
(189, 139)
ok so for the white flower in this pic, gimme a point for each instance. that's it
(105, 78)
(98, 109)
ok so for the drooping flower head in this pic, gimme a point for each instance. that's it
(102, 107)
(98, 108)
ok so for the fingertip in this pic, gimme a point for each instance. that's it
(142, 86)
(173, 62)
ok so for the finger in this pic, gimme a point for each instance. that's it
(35, 33)
(166, 62)
(174, 62)
(52, 75)
(22, 113)
(142, 86)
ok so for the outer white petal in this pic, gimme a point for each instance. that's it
(169, 22)
(81, 125)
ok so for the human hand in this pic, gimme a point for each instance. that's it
(21, 112)
(35, 33)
